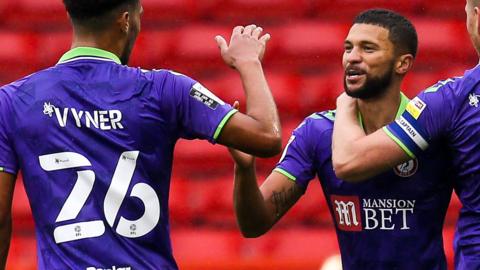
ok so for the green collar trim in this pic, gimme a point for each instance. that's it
(89, 52)
(403, 105)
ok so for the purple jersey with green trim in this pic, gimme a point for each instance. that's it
(392, 221)
(94, 140)
(449, 111)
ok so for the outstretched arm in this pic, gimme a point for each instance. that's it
(258, 131)
(7, 184)
(355, 156)
(258, 209)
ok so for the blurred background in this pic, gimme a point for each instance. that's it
(303, 67)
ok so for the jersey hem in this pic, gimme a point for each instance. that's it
(285, 173)
(8, 170)
(222, 123)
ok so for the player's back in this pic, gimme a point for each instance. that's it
(95, 140)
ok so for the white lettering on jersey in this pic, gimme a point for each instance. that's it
(103, 119)
(412, 133)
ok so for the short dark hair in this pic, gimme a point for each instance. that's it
(84, 10)
(402, 33)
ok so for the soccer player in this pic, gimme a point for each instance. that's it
(393, 221)
(447, 113)
(94, 139)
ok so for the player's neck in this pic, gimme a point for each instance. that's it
(378, 112)
(105, 42)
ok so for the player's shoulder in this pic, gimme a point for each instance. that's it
(456, 86)
(11, 89)
(323, 118)
(169, 79)
(318, 122)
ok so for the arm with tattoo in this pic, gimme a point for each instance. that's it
(259, 208)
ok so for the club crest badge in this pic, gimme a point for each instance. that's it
(406, 169)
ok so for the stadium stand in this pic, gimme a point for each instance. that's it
(305, 76)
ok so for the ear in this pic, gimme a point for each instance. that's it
(476, 10)
(124, 22)
(404, 64)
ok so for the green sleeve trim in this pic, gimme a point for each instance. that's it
(2, 169)
(287, 174)
(223, 122)
(403, 146)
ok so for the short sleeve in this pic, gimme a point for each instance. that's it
(426, 118)
(198, 112)
(8, 159)
(297, 161)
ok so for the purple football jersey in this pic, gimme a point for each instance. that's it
(392, 221)
(449, 113)
(94, 140)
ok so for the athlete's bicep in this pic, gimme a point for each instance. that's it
(244, 133)
(372, 155)
(280, 193)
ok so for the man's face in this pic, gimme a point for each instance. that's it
(133, 31)
(472, 23)
(368, 61)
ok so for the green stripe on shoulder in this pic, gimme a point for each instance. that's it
(400, 143)
(222, 123)
(287, 174)
(330, 115)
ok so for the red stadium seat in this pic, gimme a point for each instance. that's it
(319, 92)
(35, 14)
(17, 56)
(204, 246)
(306, 246)
(53, 46)
(350, 8)
(152, 48)
(444, 8)
(196, 49)
(168, 11)
(22, 215)
(22, 254)
(248, 11)
(418, 81)
(441, 42)
(307, 44)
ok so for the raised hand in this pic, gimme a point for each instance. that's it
(246, 45)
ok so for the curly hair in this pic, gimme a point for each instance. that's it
(402, 33)
(83, 10)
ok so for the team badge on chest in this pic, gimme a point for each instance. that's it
(406, 169)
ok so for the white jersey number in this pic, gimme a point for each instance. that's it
(116, 193)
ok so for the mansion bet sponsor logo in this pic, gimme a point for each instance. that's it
(112, 268)
(372, 214)
(102, 119)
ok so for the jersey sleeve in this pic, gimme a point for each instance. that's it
(297, 161)
(8, 158)
(199, 114)
(426, 118)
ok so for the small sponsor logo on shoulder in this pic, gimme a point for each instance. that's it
(203, 95)
(406, 169)
(416, 107)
